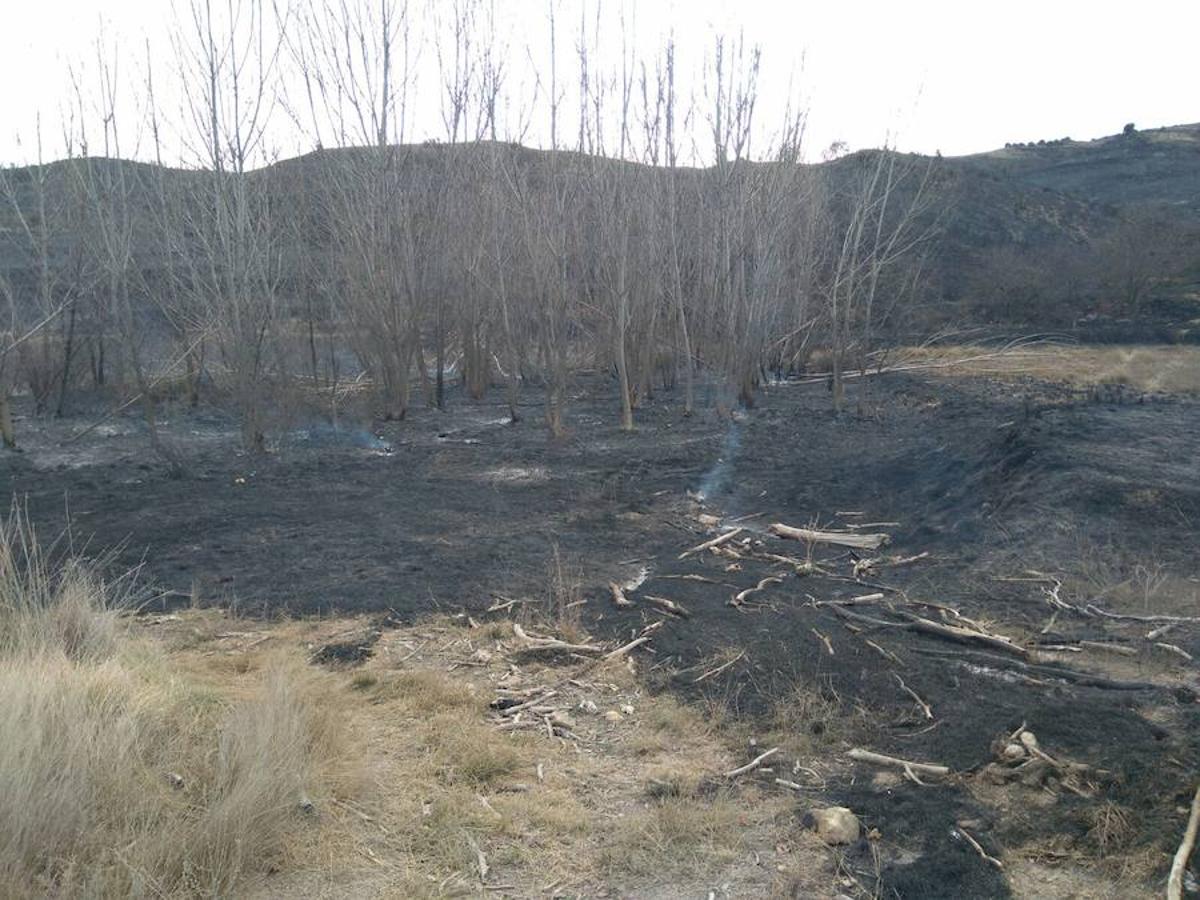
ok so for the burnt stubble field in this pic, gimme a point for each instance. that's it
(1018, 508)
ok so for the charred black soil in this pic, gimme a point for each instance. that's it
(990, 480)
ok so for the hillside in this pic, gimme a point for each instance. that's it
(1159, 166)
(1031, 234)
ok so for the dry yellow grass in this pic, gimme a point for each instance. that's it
(122, 773)
(1159, 368)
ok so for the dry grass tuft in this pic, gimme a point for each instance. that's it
(1111, 827)
(121, 774)
(678, 833)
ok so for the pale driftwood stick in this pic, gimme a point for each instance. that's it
(1124, 617)
(700, 578)
(746, 517)
(978, 849)
(621, 651)
(828, 644)
(1172, 648)
(1184, 853)
(719, 669)
(1156, 633)
(1108, 648)
(534, 701)
(853, 601)
(753, 764)
(866, 565)
(544, 643)
(740, 597)
(669, 605)
(801, 567)
(886, 654)
(480, 859)
(636, 642)
(618, 595)
(714, 542)
(840, 538)
(879, 759)
(925, 707)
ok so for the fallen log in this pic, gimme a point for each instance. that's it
(868, 756)
(840, 538)
(1084, 679)
(1184, 853)
(1172, 648)
(950, 632)
(713, 542)
(966, 635)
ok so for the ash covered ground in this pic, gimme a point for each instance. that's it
(448, 511)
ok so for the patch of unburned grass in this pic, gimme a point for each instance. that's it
(1156, 369)
(678, 833)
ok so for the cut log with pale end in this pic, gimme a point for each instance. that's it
(713, 542)
(840, 538)
(868, 756)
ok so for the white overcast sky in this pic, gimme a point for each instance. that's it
(958, 77)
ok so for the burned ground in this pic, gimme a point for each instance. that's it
(991, 479)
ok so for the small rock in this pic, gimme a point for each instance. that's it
(626, 709)
(589, 707)
(834, 825)
(1029, 740)
(174, 779)
(613, 716)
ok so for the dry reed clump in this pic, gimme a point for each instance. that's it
(123, 775)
